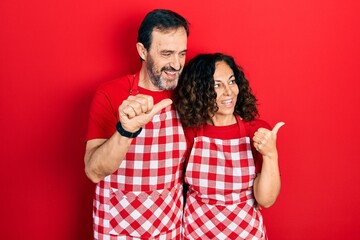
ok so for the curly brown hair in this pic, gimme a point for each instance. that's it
(195, 96)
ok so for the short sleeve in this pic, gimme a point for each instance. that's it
(102, 116)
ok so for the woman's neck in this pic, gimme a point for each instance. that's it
(222, 120)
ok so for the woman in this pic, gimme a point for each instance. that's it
(232, 164)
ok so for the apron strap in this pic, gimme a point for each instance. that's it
(134, 82)
(241, 126)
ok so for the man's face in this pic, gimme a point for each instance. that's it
(166, 57)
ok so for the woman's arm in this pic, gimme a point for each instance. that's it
(267, 184)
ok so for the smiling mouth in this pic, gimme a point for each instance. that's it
(228, 103)
(171, 74)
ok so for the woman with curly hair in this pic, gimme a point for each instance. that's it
(232, 161)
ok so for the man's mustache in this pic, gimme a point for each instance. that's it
(170, 69)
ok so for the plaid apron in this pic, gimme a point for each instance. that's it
(220, 202)
(143, 199)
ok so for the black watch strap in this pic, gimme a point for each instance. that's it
(125, 133)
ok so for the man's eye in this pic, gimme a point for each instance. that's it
(232, 81)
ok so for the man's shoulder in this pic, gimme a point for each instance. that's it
(121, 82)
(116, 86)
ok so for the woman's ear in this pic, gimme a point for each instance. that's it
(141, 50)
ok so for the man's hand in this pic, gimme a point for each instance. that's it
(136, 111)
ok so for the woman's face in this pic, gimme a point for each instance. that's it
(226, 89)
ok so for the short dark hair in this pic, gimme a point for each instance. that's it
(163, 20)
(195, 96)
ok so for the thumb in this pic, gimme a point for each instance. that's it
(277, 127)
(160, 105)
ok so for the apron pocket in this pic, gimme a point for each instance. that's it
(145, 214)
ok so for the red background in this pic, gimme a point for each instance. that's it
(301, 57)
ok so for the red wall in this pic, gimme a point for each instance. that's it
(301, 57)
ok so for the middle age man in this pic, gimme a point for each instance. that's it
(135, 144)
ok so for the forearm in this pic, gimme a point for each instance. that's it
(104, 158)
(268, 183)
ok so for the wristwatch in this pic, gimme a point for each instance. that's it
(125, 133)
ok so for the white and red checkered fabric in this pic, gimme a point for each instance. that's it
(220, 203)
(143, 198)
(174, 234)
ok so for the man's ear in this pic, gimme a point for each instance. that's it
(141, 50)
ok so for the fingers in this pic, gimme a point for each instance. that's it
(128, 111)
(261, 136)
(141, 107)
(159, 106)
(266, 139)
(277, 127)
(257, 146)
(136, 105)
(136, 111)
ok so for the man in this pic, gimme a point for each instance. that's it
(135, 143)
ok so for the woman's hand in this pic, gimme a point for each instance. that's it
(265, 140)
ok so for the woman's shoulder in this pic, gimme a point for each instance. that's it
(252, 126)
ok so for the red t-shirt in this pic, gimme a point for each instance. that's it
(229, 132)
(104, 108)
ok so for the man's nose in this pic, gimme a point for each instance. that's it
(175, 63)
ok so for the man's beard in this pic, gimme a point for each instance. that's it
(156, 79)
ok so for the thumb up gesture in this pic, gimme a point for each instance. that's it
(136, 111)
(265, 140)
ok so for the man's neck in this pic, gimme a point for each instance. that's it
(145, 81)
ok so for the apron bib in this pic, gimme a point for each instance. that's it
(144, 196)
(220, 202)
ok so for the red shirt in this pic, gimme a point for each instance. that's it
(228, 132)
(104, 108)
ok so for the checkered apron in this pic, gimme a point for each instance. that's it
(143, 199)
(220, 203)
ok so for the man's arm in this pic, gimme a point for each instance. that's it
(104, 156)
